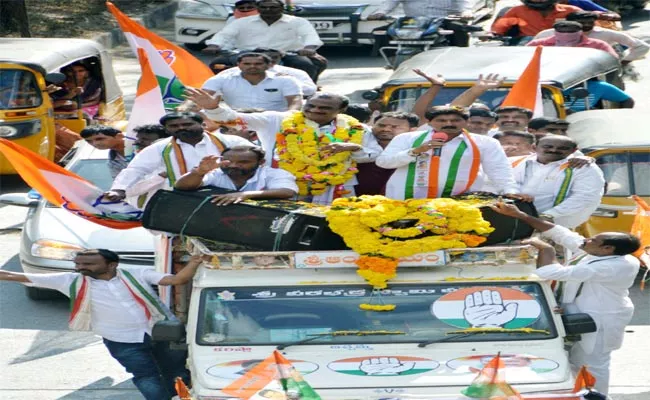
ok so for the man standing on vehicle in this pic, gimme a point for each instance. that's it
(175, 155)
(272, 29)
(119, 305)
(433, 9)
(596, 281)
(563, 193)
(569, 34)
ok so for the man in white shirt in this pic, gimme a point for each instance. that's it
(562, 194)
(596, 282)
(636, 49)
(252, 86)
(241, 169)
(428, 167)
(275, 30)
(304, 80)
(119, 305)
(320, 111)
(175, 155)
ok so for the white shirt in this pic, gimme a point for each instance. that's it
(114, 312)
(543, 182)
(269, 94)
(636, 48)
(150, 160)
(265, 178)
(427, 8)
(604, 295)
(267, 124)
(494, 163)
(286, 34)
(304, 80)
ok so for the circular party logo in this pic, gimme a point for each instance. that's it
(383, 366)
(487, 307)
(235, 369)
(473, 364)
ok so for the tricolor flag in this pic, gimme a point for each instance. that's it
(490, 383)
(527, 91)
(275, 378)
(172, 65)
(70, 191)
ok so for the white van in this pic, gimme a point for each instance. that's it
(456, 309)
(337, 21)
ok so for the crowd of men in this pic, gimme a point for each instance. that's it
(225, 136)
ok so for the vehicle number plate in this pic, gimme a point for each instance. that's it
(322, 25)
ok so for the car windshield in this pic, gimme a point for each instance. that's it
(626, 173)
(424, 312)
(95, 171)
(404, 99)
(18, 89)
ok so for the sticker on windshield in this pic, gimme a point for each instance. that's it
(487, 307)
(473, 364)
(383, 366)
(235, 369)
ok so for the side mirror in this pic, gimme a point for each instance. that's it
(168, 331)
(580, 93)
(577, 324)
(55, 78)
(19, 199)
(370, 95)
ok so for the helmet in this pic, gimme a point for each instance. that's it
(539, 5)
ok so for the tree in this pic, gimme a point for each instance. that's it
(13, 17)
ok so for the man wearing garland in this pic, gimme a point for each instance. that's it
(319, 145)
(563, 194)
(445, 160)
(175, 155)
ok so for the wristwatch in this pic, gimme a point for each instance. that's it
(547, 217)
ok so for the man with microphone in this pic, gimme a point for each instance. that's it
(445, 160)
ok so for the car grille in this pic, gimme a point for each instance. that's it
(340, 11)
(137, 257)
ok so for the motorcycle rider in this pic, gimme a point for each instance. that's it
(433, 9)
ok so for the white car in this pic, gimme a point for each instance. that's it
(51, 236)
(336, 21)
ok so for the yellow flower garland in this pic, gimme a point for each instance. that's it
(299, 151)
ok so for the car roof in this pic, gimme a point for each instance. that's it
(561, 66)
(48, 54)
(608, 128)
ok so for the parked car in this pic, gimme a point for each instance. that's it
(337, 21)
(51, 235)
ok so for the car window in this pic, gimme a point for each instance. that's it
(95, 171)
(641, 173)
(18, 89)
(616, 172)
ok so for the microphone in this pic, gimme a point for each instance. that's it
(439, 136)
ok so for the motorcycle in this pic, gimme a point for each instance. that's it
(413, 35)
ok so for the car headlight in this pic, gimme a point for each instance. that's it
(55, 250)
(198, 8)
(408, 33)
(17, 130)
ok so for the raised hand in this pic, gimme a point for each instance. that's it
(438, 80)
(210, 163)
(491, 81)
(201, 98)
(485, 309)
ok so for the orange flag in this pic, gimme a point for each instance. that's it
(189, 70)
(68, 190)
(584, 380)
(641, 224)
(526, 92)
(181, 389)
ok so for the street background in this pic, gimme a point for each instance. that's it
(41, 359)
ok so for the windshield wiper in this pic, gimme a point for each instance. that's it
(475, 331)
(338, 333)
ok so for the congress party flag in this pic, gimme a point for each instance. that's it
(273, 378)
(68, 190)
(527, 91)
(173, 66)
(641, 225)
(490, 383)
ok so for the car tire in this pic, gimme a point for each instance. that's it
(41, 294)
(195, 46)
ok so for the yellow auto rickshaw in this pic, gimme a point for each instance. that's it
(563, 70)
(33, 72)
(617, 140)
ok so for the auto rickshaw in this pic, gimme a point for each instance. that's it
(27, 112)
(563, 70)
(615, 138)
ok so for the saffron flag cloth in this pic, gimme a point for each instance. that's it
(275, 378)
(173, 66)
(584, 380)
(527, 91)
(68, 190)
(490, 383)
(641, 224)
(181, 390)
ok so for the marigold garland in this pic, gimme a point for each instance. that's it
(364, 224)
(299, 150)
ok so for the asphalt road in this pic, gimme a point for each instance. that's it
(40, 358)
